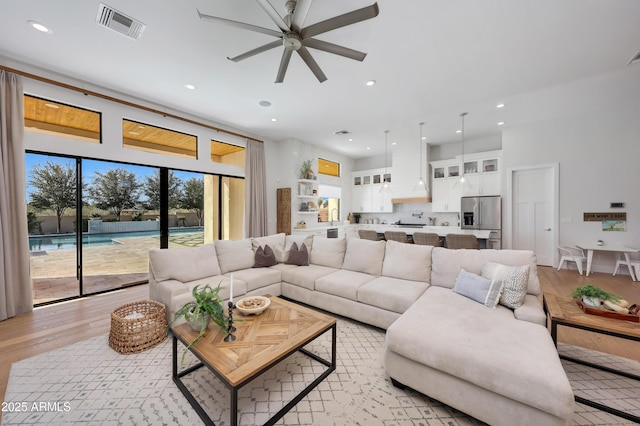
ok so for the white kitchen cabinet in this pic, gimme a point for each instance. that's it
(366, 194)
(482, 171)
(445, 189)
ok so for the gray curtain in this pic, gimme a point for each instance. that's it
(256, 199)
(15, 284)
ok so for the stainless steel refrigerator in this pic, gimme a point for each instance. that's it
(483, 213)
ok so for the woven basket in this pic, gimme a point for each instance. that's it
(138, 326)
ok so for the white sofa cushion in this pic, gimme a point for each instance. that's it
(282, 251)
(392, 294)
(257, 277)
(271, 240)
(446, 264)
(407, 261)
(305, 276)
(364, 256)
(234, 255)
(343, 283)
(328, 251)
(184, 264)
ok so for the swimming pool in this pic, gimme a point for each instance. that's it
(68, 241)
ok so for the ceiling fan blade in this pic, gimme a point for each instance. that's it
(300, 14)
(275, 16)
(334, 48)
(284, 63)
(255, 51)
(340, 21)
(236, 24)
(312, 64)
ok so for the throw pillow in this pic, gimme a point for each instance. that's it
(478, 288)
(265, 257)
(297, 256)
(515, 280)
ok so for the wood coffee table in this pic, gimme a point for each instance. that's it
(565, 311)
(262, 341)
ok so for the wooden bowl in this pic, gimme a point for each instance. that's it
(253, 305)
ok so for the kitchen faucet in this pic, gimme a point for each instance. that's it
(331, 214)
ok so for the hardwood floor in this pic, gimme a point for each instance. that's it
(54, 326)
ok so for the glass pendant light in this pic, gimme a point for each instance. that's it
(462, 181)
(421, 185)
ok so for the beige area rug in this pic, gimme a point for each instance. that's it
(88, 382)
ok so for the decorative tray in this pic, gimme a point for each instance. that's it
(608, 314)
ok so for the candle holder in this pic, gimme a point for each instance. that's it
(230, 328)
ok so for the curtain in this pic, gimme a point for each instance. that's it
(256, 200)
(15, 283)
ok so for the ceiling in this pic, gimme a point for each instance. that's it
(431, 59)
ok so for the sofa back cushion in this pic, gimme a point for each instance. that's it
(364, 256)
(234, 255)
(407, 261)
(185, 264)
(446, 264)
(270, 240)
(328, 251)
(282, 251)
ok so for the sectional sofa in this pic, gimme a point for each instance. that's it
(449, 333)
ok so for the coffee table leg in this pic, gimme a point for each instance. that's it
(554, 332)
(234, 407)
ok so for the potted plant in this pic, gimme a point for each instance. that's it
(305, 169)
(208, 305)
(593, 296)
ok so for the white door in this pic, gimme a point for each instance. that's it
(534, 208)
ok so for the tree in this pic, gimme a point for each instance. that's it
(193, 197)
(151, 189)
(54, 188)
(114, 190)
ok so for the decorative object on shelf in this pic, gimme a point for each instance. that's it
(421, 185)
(305, 170)
(593, 296)
(386, 185)
(356, 218)
(206, 306)
(600, 242)
(253, 305)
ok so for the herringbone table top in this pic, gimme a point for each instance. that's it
(261, 340)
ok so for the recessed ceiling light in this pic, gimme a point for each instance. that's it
(274, 119)
(500, 123)
(40, 27)
(54, 106)
(264, 103)
(370, 82)
(500, 106)
(190, 86)
(424, 138)
(393, 143)
(458, 131)
(368, 148)
(140, 126)
(350, 139)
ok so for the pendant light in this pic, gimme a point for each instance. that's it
(462, 181)
(386, 184)
(421, 185)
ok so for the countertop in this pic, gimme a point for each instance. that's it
(380, 228)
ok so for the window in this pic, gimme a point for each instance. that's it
(54, 118)
(226, 153)
(145, 137)
(329, 203)
(330, 168)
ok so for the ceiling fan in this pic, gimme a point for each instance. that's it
(296, 38)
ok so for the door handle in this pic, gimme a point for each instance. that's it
(547, 229)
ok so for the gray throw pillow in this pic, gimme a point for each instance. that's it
(297, 256)
(478, 288)
(515, 280)
(265, 257)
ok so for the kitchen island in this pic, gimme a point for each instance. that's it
(351, 230)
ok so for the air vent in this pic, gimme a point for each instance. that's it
(635, 59)
(119, 22)
(341, 132)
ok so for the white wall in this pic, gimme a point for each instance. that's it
(596, 141)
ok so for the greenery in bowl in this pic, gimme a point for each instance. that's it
(305, 168)
(592, 292)
(207, 303)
